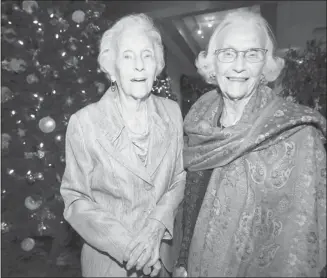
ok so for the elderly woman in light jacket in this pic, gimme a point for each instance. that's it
(124, 176)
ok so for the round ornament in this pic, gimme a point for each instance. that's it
(31, 204)
(47, 124)
(78, 16)
(27, 244)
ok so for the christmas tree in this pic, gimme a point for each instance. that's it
(49, 71)
(303, 78)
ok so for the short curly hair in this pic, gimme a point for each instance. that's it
(108, 43)
(205, 59)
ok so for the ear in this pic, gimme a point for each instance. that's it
(273, 68)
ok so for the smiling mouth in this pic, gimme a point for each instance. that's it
(239, 79)
(138, 79)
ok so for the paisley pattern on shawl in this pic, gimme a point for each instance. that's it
(264, 211)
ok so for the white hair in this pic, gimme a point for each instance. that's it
(108, 43)
(273, 65)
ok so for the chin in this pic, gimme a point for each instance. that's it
(238, 93)
(141, 94)
(235, 95)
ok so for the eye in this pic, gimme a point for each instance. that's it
(228, 53)
(147, 54)
(252, 54)
(127, 56)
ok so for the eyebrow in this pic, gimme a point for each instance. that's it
(144, 50)
(251, 47)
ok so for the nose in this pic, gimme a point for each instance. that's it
(239, 64)
(139, 64)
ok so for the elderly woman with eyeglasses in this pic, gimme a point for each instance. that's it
(124, 176)
(259, 162)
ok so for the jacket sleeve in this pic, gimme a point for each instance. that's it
(95, 224)
(167, 207)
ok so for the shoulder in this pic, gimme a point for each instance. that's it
(89, 111)
(86, 117)
(83, 112)
(202, 105)
(170, 106)
(207, 98)
(309, 136)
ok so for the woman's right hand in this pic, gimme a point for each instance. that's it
(179, 272)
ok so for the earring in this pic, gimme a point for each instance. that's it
(155, 85)
(112, 84)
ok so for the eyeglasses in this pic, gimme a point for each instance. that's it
(229, 55)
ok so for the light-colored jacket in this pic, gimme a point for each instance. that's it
(109, 193)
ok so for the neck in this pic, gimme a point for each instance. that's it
(233, 110)
(131, 106)
(134, 113)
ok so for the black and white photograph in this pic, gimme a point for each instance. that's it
(163, 138)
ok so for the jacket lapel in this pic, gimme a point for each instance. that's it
(113, 138)
(161, 134)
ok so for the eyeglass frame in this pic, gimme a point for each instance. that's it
(217, 51)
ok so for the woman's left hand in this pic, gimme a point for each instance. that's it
(154, 271)
(144, 249)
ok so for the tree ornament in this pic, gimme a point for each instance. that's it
(29, 6)
(42, 228)
(5, 140)
(3, 193)
(58, 138)
(14, 65)
(21, 132)
(100, 87)
(44, 70)
(81, 80)
(5, 227)
(32, 78)
(30, 178)
(6, 94)
(78, 16)
(31, 204)
(47, 124)
(10, 172)
(62, 159)
(40, 154)
(27, 244)
(39, 176)
(55, 74)
(69, 101)
(9, 35)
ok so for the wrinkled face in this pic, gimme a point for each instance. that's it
(135, 64)
(237, 79)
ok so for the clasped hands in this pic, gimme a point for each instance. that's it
(143, 251)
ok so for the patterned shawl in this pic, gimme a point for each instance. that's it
(266, 120)
(264, 211)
